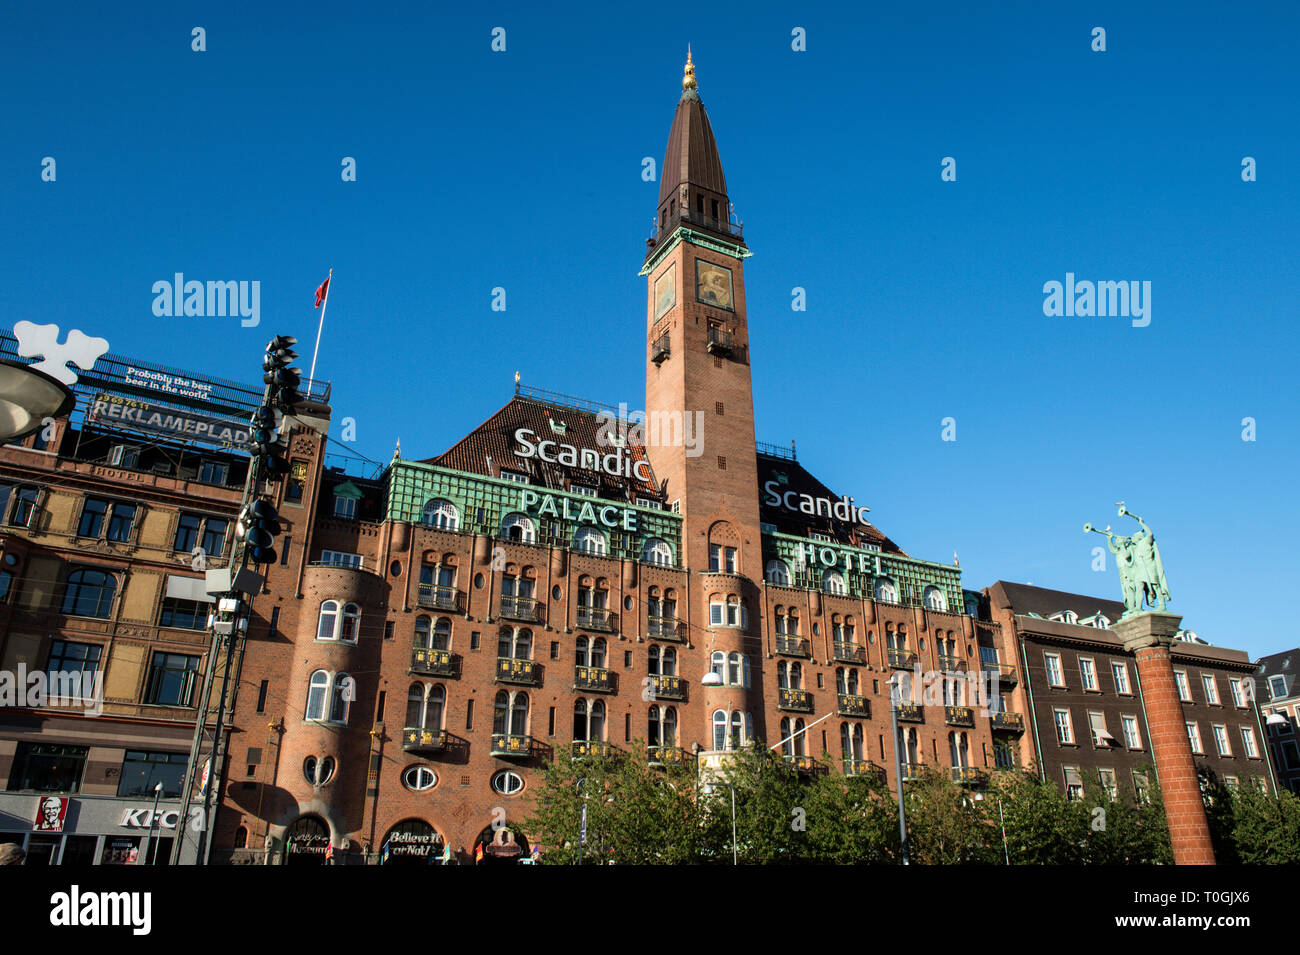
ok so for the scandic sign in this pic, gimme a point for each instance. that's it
(617, 463)
(143, 416)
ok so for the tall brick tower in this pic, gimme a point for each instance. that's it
(1149, 637)
(697, 368)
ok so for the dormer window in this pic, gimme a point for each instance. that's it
(345, 507)
(1065, 616)
(819, 536)
(583, 490)
(650, 503)
(513, 476)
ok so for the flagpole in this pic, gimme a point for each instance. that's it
(324, 305)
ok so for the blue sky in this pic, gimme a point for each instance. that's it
(522, 170)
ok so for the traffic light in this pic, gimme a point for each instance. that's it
(267, 446)
(259, 525)
(284, 381)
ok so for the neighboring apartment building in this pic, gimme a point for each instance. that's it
(1085, 721)
(1278, 692)
(106, 521)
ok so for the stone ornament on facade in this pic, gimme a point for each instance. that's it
(1141, 571)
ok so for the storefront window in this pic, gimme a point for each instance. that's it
(46, 768)
(142, 771)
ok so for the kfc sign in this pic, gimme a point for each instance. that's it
(50, 814)
(147, 819)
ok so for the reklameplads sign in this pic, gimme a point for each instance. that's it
(182, 425)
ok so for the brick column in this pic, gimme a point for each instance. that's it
(1149, 636)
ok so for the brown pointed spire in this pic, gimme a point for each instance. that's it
(692, 187)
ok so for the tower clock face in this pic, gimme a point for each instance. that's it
(665, 291)
(712, 284)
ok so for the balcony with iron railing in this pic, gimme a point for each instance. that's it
(795, 701)
(951, 664)
(430, 662)
(597, 618)
(685, 216)
(793, 646)
(910, 713)
(913, 771)
(720, 341)
(527, 609)
(850, 704)
(901, 659)
(804, 765)
(1006, 673)
(659, 349)
(862, 767)
(595, 679)
(958, 716)
(416, 739)
(667, 756)
(965, 775)
(666, 628)
(511, 744)
(667, 687)
(438, 597)
(849, 653)
(1008, 722)
(514, 670)
(592, 749)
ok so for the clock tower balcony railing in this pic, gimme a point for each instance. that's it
(720, 341)
(660, 350)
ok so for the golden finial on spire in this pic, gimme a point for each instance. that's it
(688, 81)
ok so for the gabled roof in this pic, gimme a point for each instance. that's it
(790, 475)
(1286, 662)
(492, 445)
(1026, 599)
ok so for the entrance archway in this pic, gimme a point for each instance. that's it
(305, 841)
(411, 842)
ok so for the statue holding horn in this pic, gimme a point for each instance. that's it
(1141, 571)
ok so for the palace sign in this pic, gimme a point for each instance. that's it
(617, 463)
(588, 512)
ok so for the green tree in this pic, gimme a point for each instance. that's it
(851, 820)
(771, 814)
(1042, 826)
(946, 825)
(1266, 828)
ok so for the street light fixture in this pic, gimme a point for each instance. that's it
(153, 818)
(895, 697)
(27, 398)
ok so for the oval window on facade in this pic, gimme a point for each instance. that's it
(507, 783)
(419, 778)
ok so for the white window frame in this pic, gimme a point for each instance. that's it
(1184, 688)
(1248, 742)
(1194, 737)
(1048, 660)
(658, 552)
(1273, 691)
(1210, 686)
(590, 540)
(1088, 673)
(777, 573)
(345, 507)
(1121, 686)
(1238, 696)
(1068, 738)
(1133, 739)
(440, 514)
(1221, 741)
(339, 558)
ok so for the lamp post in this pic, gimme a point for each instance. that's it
(895, 693)
(153, 817)
(27, 398)
(1002, 823)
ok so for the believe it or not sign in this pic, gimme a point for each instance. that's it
(418, 844)
(185, 425)
(549, 505)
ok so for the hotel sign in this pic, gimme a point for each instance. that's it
(183, 425)
(842, 510)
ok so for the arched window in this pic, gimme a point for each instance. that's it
(441, 514)
(718, 664)
(782, 675)
(598, 652)
(787, 744)
(851, 740)
(510, 715)
(424, 706)
(663, 661)
(792, 624)
(778, 573)
(351, 623)
(799, 737)
(317, 695)
(515, 643)
(89, 593)
(520, 528)
(329, 620)
(833, 582)
(796, 676)
(663, 726)
(733, 669)
(737, 735)
(658, 552)
(886, 591)
(720, 729)
(934, 599)
(590, 540)
(341, 701)
(589, 720)
(422, 632)
(442, 634)
(241, 837)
